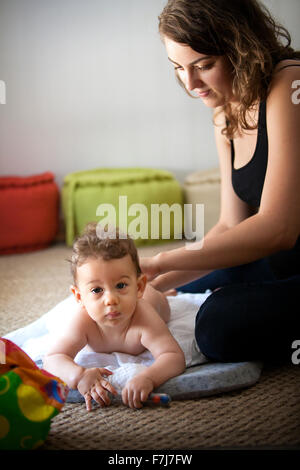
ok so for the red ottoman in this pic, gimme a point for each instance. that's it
(28, 212)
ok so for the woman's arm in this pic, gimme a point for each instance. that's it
(173, 279)
(232, 211)
(254, 238)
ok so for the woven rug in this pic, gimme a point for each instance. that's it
(266, 415)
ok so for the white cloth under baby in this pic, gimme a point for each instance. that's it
(36, 338)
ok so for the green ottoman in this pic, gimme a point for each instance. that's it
(145, 203)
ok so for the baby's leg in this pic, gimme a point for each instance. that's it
(159, 301)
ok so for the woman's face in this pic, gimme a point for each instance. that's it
(208, 77)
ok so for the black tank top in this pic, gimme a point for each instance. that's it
(248, 182)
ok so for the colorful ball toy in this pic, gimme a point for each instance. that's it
(29, 398)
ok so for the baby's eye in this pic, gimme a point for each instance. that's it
(121, 285)
(97, 290)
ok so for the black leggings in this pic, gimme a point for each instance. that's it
(254, 316)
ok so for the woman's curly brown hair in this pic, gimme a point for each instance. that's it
(242, 30)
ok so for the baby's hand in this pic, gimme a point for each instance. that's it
(136, 391)
(92, 384)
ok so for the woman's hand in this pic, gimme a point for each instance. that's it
(93, 384)
(150, 267)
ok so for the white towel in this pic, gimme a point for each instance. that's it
(36, 338)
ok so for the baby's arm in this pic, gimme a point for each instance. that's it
(59, 359)
(169, 358)
(60, 362)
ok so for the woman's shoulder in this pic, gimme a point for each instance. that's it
(283, 113)
(288, 65)
(285, 71)
(283, 82)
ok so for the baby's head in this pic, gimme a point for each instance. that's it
(107, 276)
(90, 245)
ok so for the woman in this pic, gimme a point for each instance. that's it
(229, 53)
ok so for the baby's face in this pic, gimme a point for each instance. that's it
(109, 290)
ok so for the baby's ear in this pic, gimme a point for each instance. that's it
(76, 293)
(141, 283)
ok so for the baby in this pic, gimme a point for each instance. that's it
(119, 312)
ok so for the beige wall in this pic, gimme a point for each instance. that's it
(88, 84)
